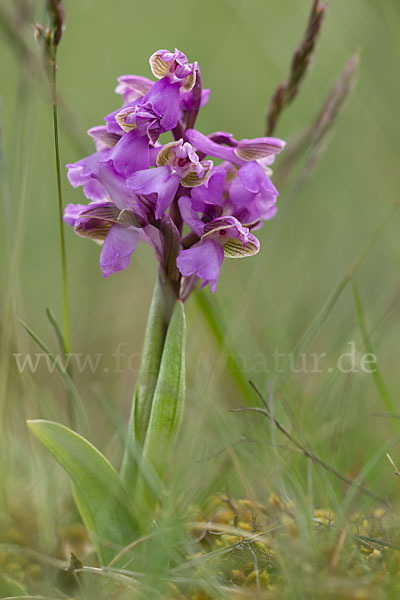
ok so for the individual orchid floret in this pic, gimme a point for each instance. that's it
(236, 240)
(132, 117)
(142, 123)
(222, 237)
(102, 183)
(119, 232)
(177, 163)
(238, 153)
(158, 109)
(174, 66)
(99, 222)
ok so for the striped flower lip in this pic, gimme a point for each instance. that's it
(237, 241)
(95, 220)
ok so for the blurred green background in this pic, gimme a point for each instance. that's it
(267, 302)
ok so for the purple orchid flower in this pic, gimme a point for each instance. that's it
(175, 67)
(224, 236)
(117, 216)
(99, 221)
(177, 163)
(132, 180)
(119, 231)
(154, 108)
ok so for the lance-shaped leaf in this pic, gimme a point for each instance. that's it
(146, 384)
(10, 588)
(167, 406)
(99, 493)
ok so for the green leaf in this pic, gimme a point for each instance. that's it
(10, 588)
(99, 493)
(146, 384)
(167, 407)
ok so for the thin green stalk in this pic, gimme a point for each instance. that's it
(218, 329)
(66, 320)
(74, 397)
(376, 374)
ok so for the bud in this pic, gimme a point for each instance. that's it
(57, 16)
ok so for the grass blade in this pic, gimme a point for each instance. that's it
(71, 388)
(218, 329)
(376, 374)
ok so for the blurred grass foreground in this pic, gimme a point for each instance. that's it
(279, 485)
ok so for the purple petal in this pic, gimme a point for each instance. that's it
(211, 192)
(111, 124)
(103, 138)
(190, 216)
(239, 195)
(148, 181)
(117, 249)
(259, 148)
(115, 185)
(131, 153)
(80, 172)
(204, 260)
(95, 191)
(254, 179)
(123, 197)
(261, 208)
(210, 148)
(133, 87)
(252, 176)
(158, 181)
(164, 98)
(72, 212)
(222, 137)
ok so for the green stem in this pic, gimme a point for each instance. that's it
(66, 321)
(156, 329)
(64, 275)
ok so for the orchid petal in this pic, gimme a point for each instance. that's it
(204, 260)
(119, 244)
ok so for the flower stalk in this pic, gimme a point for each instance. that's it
(50, 39)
